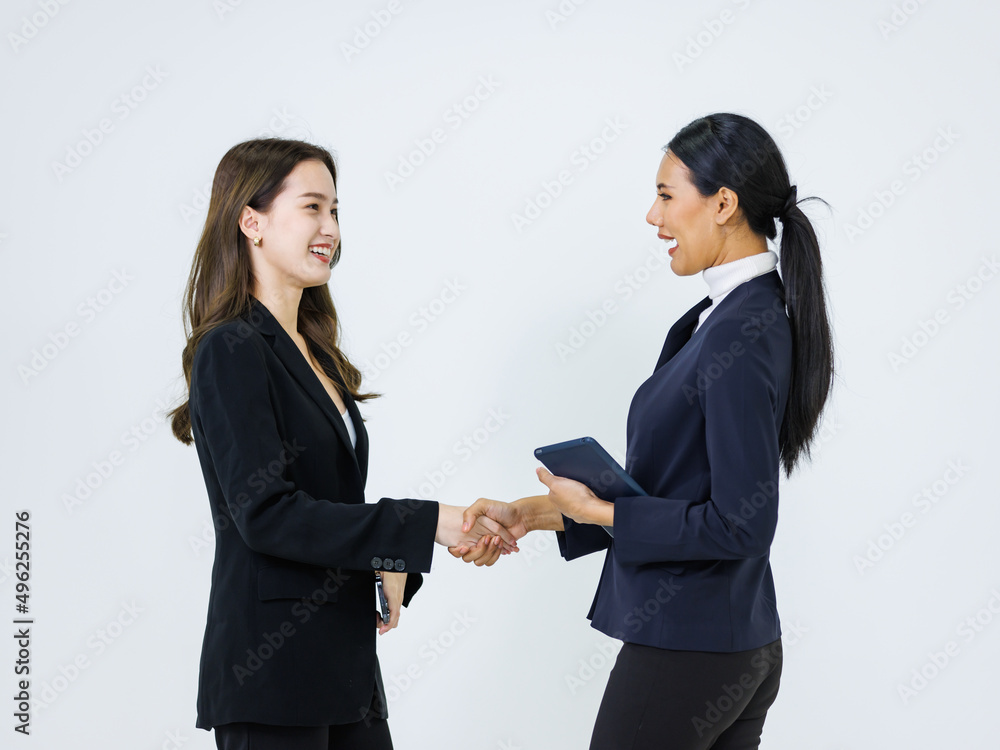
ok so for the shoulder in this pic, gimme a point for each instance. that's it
(233, 345)
(750, 341)
(753, 314)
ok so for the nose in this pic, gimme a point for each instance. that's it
(652, 217)
(331, 228)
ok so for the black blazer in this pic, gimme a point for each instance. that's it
(290, 634)
(688, 567)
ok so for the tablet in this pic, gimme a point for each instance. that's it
(586, 461)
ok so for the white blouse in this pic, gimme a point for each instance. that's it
(350, 428)
(722, 279)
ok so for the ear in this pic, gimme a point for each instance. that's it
(251, 223)
(725, 205)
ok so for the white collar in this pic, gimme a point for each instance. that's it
(723, 278)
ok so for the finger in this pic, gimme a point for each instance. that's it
(470, 514)
(496, 528)
(489, 559)
(458, 551)
(492, 555)
(481, 548)
(544, 476)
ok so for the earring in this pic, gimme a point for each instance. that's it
(256, 241)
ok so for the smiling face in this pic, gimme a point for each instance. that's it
(683, 214)
(299, 233)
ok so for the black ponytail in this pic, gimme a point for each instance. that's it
(728, 150)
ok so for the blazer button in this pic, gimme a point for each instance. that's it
(388, 563)
(376, 562)
(400, 565)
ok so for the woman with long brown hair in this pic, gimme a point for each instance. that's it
(288, 658)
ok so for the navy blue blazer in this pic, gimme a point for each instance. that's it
(290, 632)
(688, 567)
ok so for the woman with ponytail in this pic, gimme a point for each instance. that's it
(735, 396)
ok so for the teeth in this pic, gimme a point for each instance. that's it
(320, 251)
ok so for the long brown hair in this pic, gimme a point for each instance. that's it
(219, 286)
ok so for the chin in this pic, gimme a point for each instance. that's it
(680, 269)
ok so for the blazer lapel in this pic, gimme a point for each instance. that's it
(680, 332)
(286, 350)
(361, 449)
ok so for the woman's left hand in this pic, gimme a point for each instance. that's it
(393, 585)
(575, 500)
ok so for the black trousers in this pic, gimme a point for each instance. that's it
(687, 700)
(360, 735)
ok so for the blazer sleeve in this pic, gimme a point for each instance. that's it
(739, 517)
(579, 539)
(232, 402)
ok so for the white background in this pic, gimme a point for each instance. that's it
(854, 92)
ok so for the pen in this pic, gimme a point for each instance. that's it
(383, 603)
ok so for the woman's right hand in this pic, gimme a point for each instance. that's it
(511, 516)
(452, 531)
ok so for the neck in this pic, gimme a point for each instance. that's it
(741, 248)
(283, 304)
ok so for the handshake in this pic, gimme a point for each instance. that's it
(488, 529)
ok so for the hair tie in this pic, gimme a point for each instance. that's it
(790, 202)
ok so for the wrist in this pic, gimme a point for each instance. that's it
(447, 524)
(539, 514)
(604, 514)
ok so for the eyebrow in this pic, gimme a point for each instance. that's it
(321, 196)
(661, 186)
